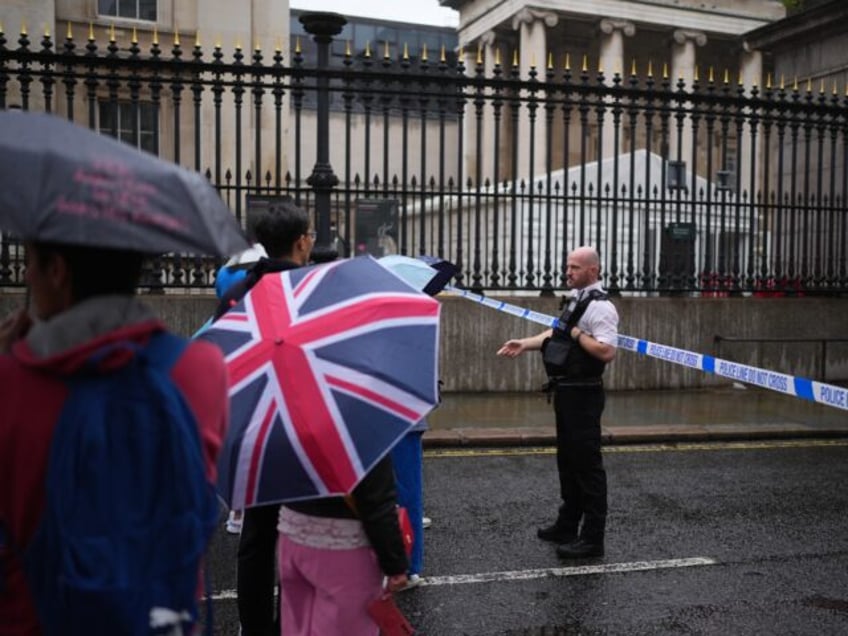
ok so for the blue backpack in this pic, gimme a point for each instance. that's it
(129, 512)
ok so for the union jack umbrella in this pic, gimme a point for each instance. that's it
(329, 367)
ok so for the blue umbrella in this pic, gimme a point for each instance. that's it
(425, 273)
(64, 183)
(329, 367)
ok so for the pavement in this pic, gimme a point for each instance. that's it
(727, 413)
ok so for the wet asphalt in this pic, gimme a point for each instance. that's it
(726, 517)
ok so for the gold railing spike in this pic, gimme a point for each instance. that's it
(726, 76)
(795, 84)
(696, 76)
(479, 54)
(47, 30)
(768, 81)
(665, 70)
(568, 61)
(69, 34)
(386, 52)
(347, 49)
(515, 57)
(711, 76)
(650, 68)
(176, 36)
(155, 35)
(424, 52)
(834, 87)
(633, 67)
(23, 27)
(196, 39)
(585, 63)
(533, 60)
(405, 51)
(442, 55)
(550, 60)
(297, 48)
(91, 31)
(112, 32)
(497, 56)
(134, 35)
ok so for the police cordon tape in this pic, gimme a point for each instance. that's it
(806, 389)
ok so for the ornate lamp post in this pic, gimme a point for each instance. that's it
(323, 26)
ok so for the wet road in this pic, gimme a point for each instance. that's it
(702, 539)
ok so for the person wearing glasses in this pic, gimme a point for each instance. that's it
(287, 238)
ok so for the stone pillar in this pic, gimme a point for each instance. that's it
(612, 62)
(683, 60)
(750, 75)
(487, 41)
(532, 53)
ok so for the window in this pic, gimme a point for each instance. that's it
(134, 9)
(134, 124)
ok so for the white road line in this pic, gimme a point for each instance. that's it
(580, 570)
(527, 575)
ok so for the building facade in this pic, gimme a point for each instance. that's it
(684, 40)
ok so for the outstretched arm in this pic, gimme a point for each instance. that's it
(514, 348)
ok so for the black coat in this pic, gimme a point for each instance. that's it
(375, 500)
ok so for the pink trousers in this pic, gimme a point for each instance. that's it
(325, 592)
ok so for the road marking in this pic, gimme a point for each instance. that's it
(528, 575)
(638, 448)
(579, 570)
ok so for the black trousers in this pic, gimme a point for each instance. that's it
(582, 478)
(257, 572)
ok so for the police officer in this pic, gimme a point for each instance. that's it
(575, 355)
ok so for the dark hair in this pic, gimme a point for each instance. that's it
(280, 226)
(95, 271)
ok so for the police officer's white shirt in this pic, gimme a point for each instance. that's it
(600, 319)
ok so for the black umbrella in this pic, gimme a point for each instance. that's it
(60, 182)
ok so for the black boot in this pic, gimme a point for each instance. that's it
(581, 549)
(557, 533)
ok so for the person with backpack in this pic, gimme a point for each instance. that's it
(110, 428)
(575, 354)
(284, 232)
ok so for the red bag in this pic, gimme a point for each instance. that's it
(405, 530)
(388, 616)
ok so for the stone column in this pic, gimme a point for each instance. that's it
(487, 42)
(683, 60)
(533, 53)
(750, 75)
(483, 50)
(612, 62)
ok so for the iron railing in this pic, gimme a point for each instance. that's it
(711, 187)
